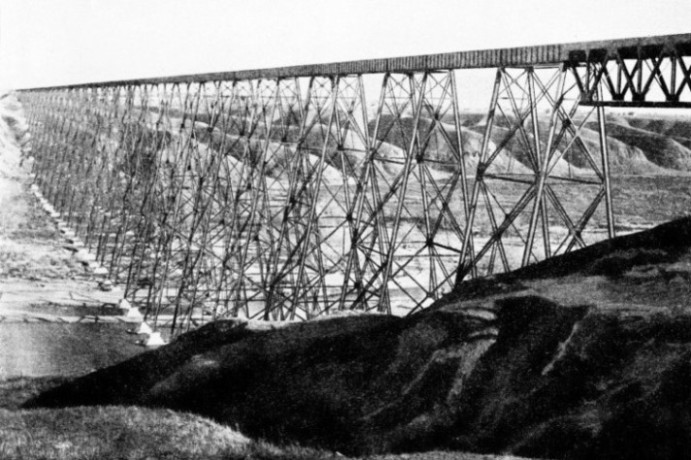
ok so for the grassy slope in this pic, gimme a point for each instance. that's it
(103, 432)
(107, 432)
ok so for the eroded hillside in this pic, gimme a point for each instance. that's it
(585, 355)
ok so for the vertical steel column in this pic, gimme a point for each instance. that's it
(464, 174)
(462, 265)
(289, 204)
(542, 162)
(351, 202)
(602, 131)
(312, 211)
(361, 194)
(380, 237)
(257, 190)
(388, 262)
(179, 218)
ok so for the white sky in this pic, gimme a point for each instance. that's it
(51, 42)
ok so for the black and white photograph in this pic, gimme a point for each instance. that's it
(353, 229)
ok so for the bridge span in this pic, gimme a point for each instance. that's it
(288, 193)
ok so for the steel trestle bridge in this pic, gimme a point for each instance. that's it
(291, 192)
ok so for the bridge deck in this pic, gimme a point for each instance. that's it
(630, 48)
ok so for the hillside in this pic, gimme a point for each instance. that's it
(583, 355)
(676, 127)
(658, 148)
(637, 146)
(440, 148)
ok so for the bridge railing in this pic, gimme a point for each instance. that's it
(287, 194)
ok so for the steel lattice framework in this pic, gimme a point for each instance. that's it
(288, 193)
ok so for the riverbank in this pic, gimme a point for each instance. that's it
(54, 318)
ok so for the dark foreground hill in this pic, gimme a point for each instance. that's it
(583, 356)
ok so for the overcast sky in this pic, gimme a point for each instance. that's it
(51, 42)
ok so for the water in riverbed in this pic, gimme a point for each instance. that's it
(43, 349)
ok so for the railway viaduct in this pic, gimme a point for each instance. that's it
(287, 193)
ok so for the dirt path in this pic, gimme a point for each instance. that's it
(54, 318)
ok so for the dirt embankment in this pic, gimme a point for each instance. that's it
(30, 246)
(583, 356)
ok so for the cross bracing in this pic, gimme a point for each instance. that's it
(290, 193)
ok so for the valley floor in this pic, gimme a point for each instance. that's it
(55, 324)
